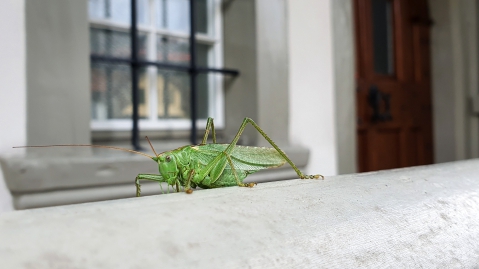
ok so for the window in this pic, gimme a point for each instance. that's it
(383, 33)
(163, 36)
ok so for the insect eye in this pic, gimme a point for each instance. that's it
(168, 158)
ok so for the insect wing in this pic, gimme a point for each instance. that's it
(243, 157)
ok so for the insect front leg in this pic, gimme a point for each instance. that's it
(188, 188)
(151, 177)
(209, 125)
(230, 148)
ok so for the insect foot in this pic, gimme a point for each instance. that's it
(189, 191)
(250, 185)
(138, 187)
(312, 177)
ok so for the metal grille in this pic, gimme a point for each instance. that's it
(120, 62)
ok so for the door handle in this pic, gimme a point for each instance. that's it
(375, 99)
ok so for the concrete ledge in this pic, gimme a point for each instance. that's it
(118, 191)
(49, 180)
(416, 217)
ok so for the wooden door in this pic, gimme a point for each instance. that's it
(394, 113)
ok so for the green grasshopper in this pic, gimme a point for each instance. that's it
(212, 165)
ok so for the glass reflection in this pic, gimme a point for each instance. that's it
(383, 42)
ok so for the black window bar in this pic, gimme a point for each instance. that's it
(136, 64)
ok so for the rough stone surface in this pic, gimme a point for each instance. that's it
(416, 217)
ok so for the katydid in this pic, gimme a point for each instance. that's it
(212, 165)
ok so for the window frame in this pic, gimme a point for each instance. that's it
(215, 81)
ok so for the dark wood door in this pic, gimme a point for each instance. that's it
(394, 113)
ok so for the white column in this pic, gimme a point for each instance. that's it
(12, 86)
(311, 83)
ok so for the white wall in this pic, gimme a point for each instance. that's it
(344, 85)
(311, 81)
(12, 85)
(455, 68)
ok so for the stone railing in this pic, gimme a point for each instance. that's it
(414, 217)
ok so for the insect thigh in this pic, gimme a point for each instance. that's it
(230, 148)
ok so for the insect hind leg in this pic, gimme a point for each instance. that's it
(209, 125)
(238, 181)
(229, 149)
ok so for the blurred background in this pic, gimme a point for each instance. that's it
(343, 86)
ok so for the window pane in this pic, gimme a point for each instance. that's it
(143, 9)
(143, 95)
(177, 50)
(203, 81)
(202, 54)
(173, 50)
(105, 42)
(177, 15)
(174, 15)
(383, 36)
(202, 16)
(111, 91)
(160, 6)
(118, 10)
(96, 9)
(174, 87)
(109, 43)
(173, 94)
(203, 95)
(142, 46)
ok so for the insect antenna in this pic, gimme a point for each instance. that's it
(92, 146)
(149, 142)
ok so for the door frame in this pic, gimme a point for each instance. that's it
(344, 56)
(454, 42)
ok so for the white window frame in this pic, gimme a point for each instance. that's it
(215, 80)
